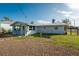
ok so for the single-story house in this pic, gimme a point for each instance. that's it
(5, 24)
(21, 28)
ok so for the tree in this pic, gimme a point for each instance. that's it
(6, 18)
(67, 21)
(3, 30)
(53, 20)
(32, 22)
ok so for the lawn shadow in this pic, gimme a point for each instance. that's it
(6, 35)
(43, 35)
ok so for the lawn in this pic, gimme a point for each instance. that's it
(35, 45)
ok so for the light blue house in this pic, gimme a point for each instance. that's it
(20, 28)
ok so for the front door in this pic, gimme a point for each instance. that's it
(24, 31)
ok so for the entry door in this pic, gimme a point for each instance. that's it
(24, 30)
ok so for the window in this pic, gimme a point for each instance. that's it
(17, 28)
(56, 28)
(23, 27)
(31, 27)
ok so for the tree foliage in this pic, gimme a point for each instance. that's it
(67, 21)
(6, 19)
(32, 22)
(53, 20)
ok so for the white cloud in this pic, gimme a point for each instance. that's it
(74, 17)
(70, 14)
(73, 6)
(74, 9)
(43, 21)
(65, 13)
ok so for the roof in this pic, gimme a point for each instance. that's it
(19, 23)
(51, 24)
(7, 22)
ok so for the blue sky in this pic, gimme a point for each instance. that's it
(41, 13)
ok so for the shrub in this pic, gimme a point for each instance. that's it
(3, 30)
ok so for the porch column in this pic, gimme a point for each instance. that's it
(27, 30)
(13, 30)
(21, 30)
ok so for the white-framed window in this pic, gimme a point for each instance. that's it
(23, 27)
(17, 28)
(31, 27)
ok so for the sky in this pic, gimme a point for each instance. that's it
(40, 12)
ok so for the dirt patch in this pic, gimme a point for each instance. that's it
(12, 47)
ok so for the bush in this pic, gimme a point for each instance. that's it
(3, 30)
(9, 31)
(6, 31)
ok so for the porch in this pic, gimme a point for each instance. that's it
(19, 28)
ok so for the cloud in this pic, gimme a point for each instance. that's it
(73, 6)
(74, 17)
(72, 14)
(65, 13)
(69, 14)
(43, 21)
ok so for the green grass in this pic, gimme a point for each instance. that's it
(69, 41)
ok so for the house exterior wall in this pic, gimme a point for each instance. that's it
(6, 26)
(21, 31)
(40, 29)
(51, 29)
(47, 29)
(30, 32)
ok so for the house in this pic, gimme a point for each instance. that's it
(20, 28)
(5, 24)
